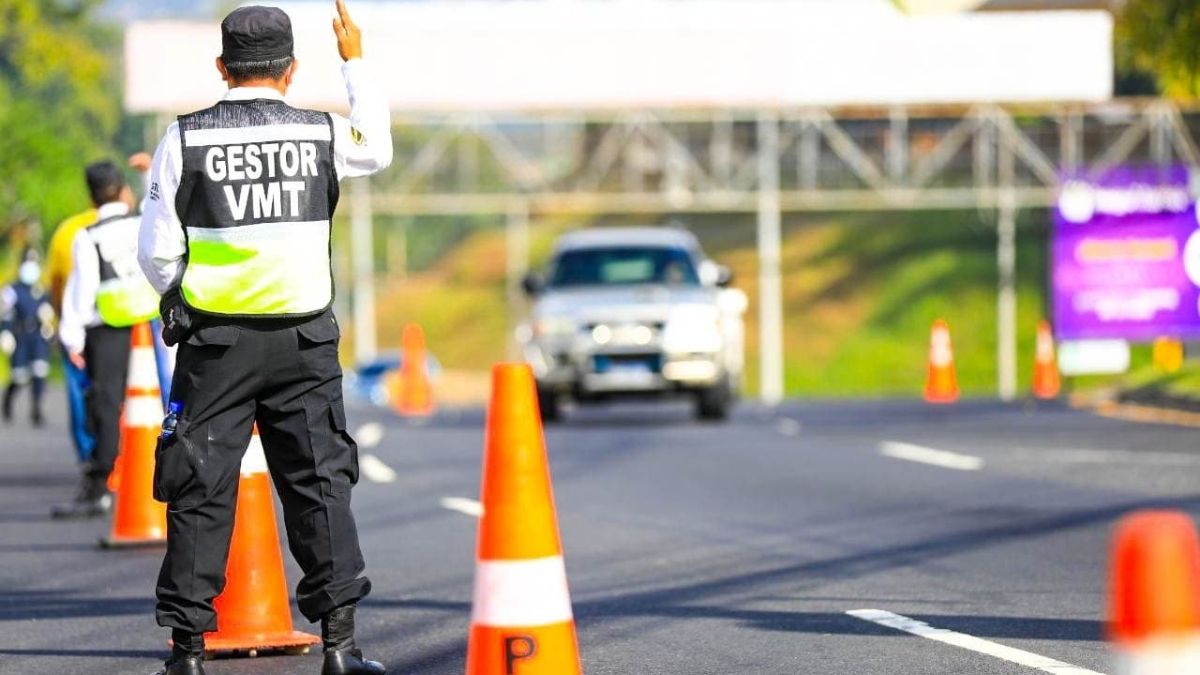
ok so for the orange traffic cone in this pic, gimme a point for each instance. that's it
(1167, 355)
(253, 612)
(138, 520)
(521, 621)
(411, 391)
(1154, 617)
(941, 384)
(1046, 382)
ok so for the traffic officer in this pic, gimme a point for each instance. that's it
(236, 236)
(106, 295)
(26, 327)
(58, 269)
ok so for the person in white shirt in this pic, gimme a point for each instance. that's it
(106, 294)
(236, 236)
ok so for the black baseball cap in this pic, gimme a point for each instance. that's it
(255, 34)
(104, 181)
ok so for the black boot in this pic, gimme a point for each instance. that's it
(36, 415)
(342, 656)
(91, 501)
(9, 394)
(187, 654)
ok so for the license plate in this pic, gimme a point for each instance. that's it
(609, 366)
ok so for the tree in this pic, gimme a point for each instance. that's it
(59, 106)
(1161, 37)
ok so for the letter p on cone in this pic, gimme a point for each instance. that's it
(1154, 612)
(521, 620)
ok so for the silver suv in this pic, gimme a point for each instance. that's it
(623, 312)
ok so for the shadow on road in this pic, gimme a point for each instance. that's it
(86, 653)
(67, 604)
(676, 602)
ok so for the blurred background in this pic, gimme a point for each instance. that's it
(862, 167)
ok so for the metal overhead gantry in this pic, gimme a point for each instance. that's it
(766, 162)
(724, 106)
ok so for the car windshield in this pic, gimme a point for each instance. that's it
(623, 266)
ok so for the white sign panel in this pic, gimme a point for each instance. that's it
(1093, 357)
(456, 56)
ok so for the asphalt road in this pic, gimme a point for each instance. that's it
(691, 549)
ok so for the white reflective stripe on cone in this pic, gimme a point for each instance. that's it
(521, 593)
(143, 369)
(1164, 656)
(243, 135)
(254, 461)
(144, 412)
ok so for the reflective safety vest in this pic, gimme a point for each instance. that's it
(125, 297)
(256, 198)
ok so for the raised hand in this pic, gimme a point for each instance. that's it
(349, 37)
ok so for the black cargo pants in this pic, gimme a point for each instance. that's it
(106, 352)
(285, 376)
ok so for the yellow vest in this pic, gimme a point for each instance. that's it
(59, 262)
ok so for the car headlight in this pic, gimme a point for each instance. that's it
(555, 326)
(693, 328)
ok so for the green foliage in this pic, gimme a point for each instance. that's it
(860, 294)
(59, 105)
(1159, 37)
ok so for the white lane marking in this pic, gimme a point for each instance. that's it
(963, 641)
(468, 507)
(369, 435)
(917, 453)
(788, 427)
(374, 470)
(1085, 456)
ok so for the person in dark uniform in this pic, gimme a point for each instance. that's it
(106, 295)
(26, 328)
(236, 236)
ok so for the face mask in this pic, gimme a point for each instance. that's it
(29, 273)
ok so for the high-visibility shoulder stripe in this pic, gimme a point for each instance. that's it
(265, 134)
(521, 593)
(262, 232)
(143, 412)
(255, 460)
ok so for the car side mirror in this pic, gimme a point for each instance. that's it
(533, 284)
(714, 275)
(724, 276)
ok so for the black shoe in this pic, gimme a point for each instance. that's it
(83, 509)
(350, 662)
(187, 654)
(187, 665)
(38, 419)
(342, 656)
(92, 501)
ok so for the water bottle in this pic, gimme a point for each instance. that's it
(172, 419)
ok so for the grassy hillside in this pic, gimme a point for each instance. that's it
(861, 292)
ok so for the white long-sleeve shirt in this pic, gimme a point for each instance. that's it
(79, 299)
(362, 146)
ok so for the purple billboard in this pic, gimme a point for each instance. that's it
(1126, 256)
